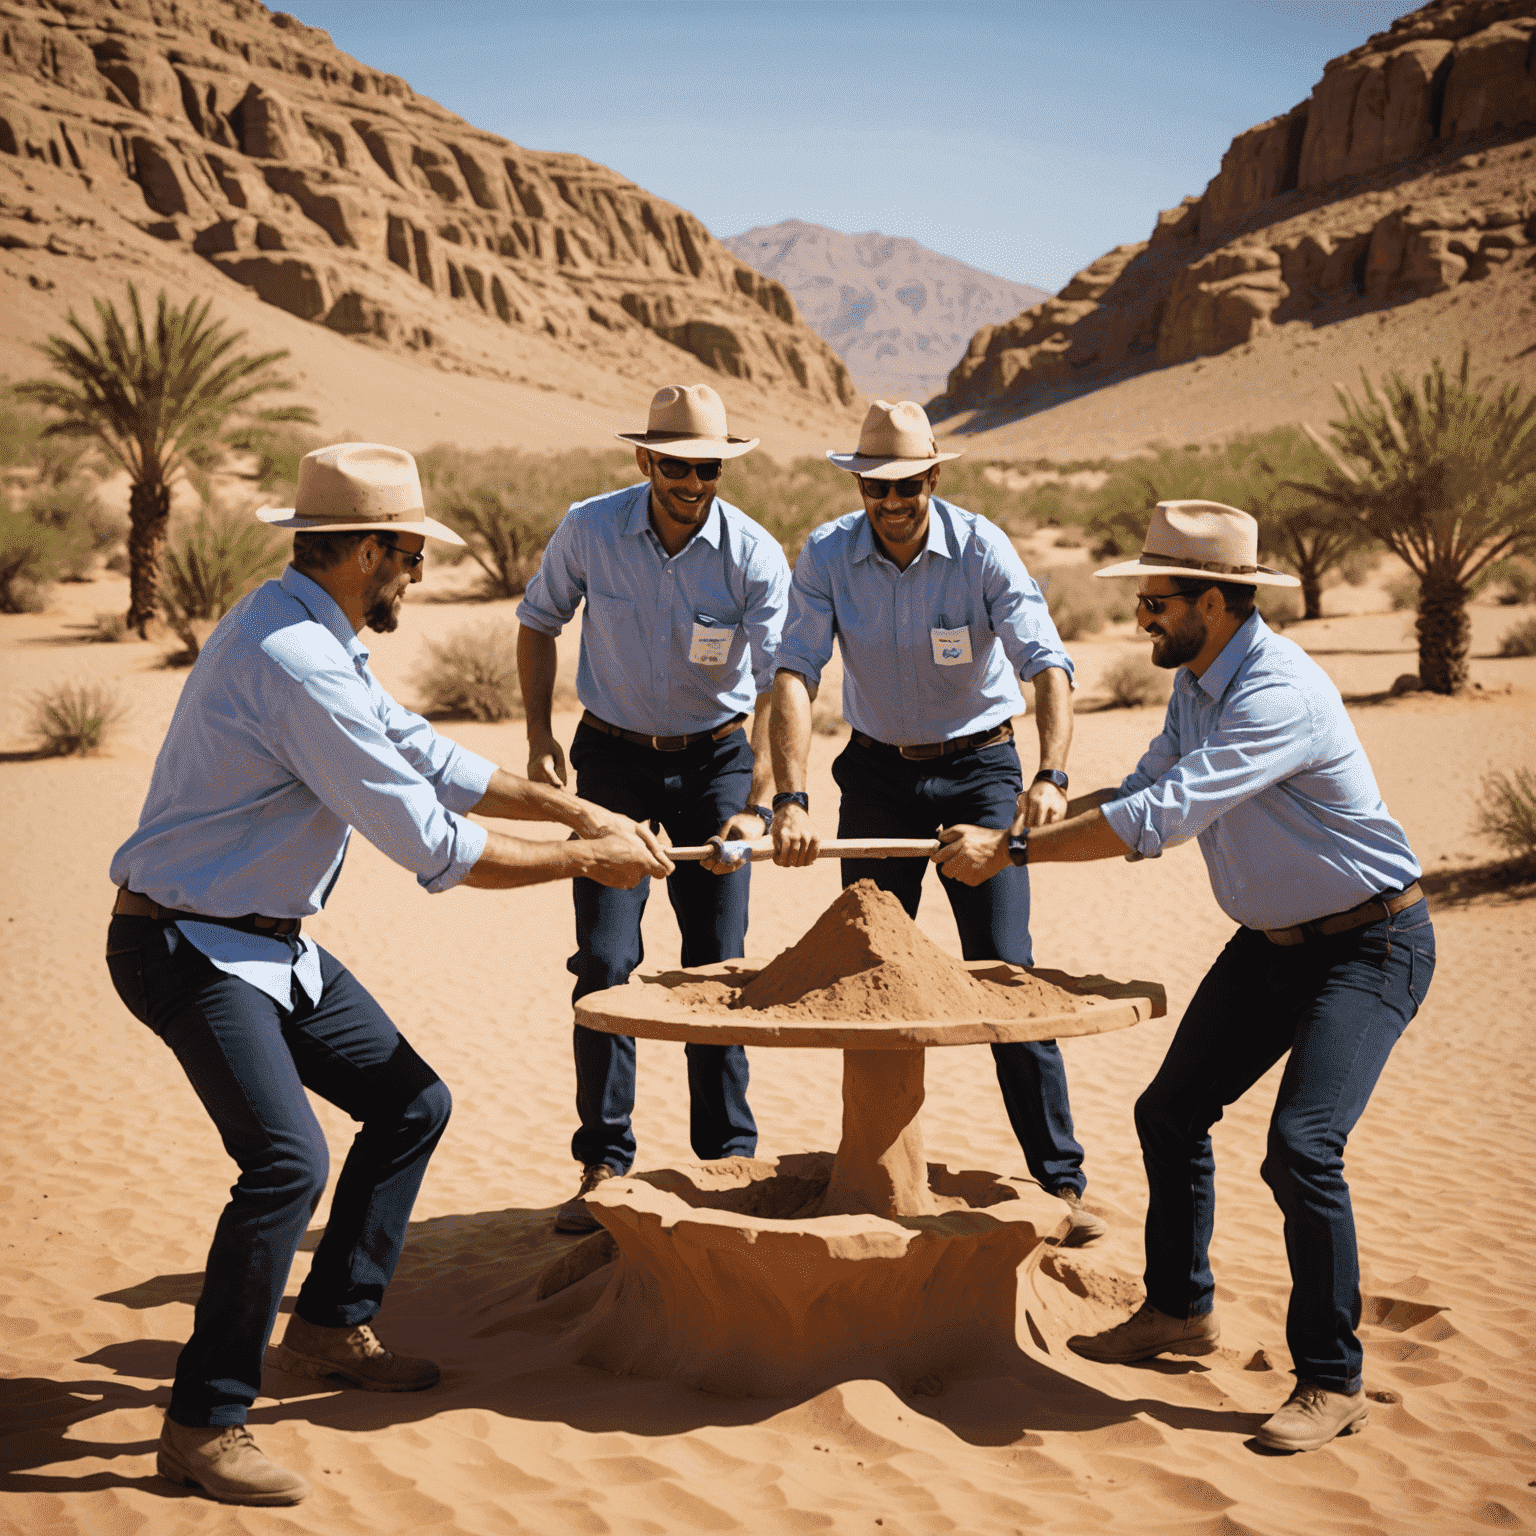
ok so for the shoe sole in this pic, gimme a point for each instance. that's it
(328, 1371)
(1274, 1443)
(1192, 1347)
(173, 1472)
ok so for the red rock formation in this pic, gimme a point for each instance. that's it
(1361, 195)
(339, 195)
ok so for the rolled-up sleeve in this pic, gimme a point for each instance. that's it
(809, 624)
(1266, 737)
(330, 736)
(459, 777)
(767, 601)
(1020, 616)
(559, 584)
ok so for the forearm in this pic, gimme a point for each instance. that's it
(762, 751)
(1078, 839)
(513, 861)
(515, 798)
(537, 663)
(790, 731)
(1053, 716)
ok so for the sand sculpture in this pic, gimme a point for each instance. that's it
(760, 1278)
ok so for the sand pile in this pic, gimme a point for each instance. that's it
(864, 958)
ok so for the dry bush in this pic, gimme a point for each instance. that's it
(1506, 810)
(1277, 606)
(1403, 592)
(827, 721)
(32, 554)
(474, 673)
(1080, 604)
(74, 719)
(1513, 583)
(109, 628)
(215, 563)
(1519, 641)
(1133, 681)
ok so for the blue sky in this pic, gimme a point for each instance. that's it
(1026, 138)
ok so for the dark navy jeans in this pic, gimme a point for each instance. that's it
(1338, 1004)
(888, 795)
(690, 793)
(250, 1061)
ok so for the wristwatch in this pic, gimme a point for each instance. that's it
(1018, 848)
(764, 812)
(793, 797)
(1051, 776)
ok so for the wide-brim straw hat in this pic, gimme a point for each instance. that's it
(358, 488)
(687, 421)
(1202, 538)
(895, 441)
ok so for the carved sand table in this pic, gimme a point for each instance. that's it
(761, 1278)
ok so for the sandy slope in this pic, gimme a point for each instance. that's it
(115, 1177)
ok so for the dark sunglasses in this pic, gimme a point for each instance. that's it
(878, 490)
(680, 469)
(408, 560)
(1155, 605)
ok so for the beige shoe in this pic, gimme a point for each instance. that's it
(574, 1216)
(1148, 1332)
(226, 1464)
(1086, 1227)
(1313, 1416)
(352, 1357)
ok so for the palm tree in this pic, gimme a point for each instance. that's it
(158, 399)
(1445, 477)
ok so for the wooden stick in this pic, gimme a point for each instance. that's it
(833, 848)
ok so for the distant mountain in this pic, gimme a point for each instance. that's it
(899, 315)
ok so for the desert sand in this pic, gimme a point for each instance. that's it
(115, 1178)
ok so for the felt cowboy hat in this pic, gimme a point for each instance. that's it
(1201, 538)
(687, 421)
(358, 488)
(894, 442)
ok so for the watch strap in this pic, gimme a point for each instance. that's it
(764, 812)
(1018, 848)
(793, 797)
(1052, 776)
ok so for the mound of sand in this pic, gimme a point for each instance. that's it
(864, 958)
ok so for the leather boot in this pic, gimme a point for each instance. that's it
(1148, 1332)
(1312, 1416)
(226, 1464)
(351, 1357)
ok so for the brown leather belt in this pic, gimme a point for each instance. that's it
(663, 743)
(927, 749)
(1372, 910)
(131, 904)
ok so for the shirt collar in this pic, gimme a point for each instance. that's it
(323, 609)
(866, 544)
(640, 520)
(1221, 671)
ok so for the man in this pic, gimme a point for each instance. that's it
(684, 605)
(936, 617)
(1258, 760)
(281, 743)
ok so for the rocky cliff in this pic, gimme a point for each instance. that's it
(1407, 171)
(237, 135)
(898, 314)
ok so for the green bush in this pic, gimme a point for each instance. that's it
(1506, 810)
(83, 526)
(74, 719)
(211, 567)
(1277, 606)
(1080, 604)
(474, 673)
(1403, 592)
(1134, 680)
(1513, 582)
(31, 555)
(1519, 641)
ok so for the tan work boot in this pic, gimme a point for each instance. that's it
(1148, 1332)
(1312, 1416)
(226, 1464)
(353, 1357)
(574, 1216)
(1086, 1227)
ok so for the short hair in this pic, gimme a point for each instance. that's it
(1237, 597)
(325, 551)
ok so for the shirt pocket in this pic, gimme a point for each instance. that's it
(711, 642)
(615, 620)
(953, 640)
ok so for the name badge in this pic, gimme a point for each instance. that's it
(951, 647)
(710, 647)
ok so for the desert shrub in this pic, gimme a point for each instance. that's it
(31, 555)
(1519, 641)
(827, 721)
(84, 527)
(211, 567)
(1512, 582)
(1080, 604)
(1506, 810)
(1403, 592)
(474, 673)
(74, 719)
(109, 628)
(1134, 680)
(1357, 565)
(1277, 606)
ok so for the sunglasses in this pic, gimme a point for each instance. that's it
(1155, 605)
(878, 490)
(408, 560)
(680, 469)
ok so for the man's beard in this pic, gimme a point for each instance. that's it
(382, 613)
(1177, 646)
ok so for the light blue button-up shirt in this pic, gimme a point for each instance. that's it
(281, 743)
(1258, 760)
(908, 676)
(642, 663)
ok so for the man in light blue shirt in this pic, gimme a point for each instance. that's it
(1257, 760)
(282, 743)
(938, 622)
(684, 600)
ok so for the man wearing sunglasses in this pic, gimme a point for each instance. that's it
(1258, 760)
(282, 743)
(938, 622)
(684, 603)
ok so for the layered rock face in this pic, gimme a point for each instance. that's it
(897, 313)
(1408, 170)
(341, 196)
